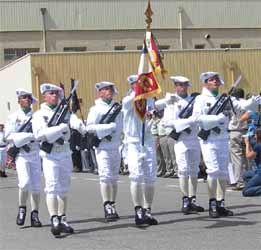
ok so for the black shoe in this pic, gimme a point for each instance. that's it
(109, 211)
(139, 216)
(224, 212)
(194, 206)
(149, 219)
(186, 205)
(3, 174)
(55, 227)
(64, 226)
(114, 212)
(35, 222)
(167, 175)
(21, 216)
(213, 213)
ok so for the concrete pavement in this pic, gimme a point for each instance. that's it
(175, 231)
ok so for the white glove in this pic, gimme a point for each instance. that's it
(171, 99)
(113, 126)
(64, 127)
(221, 118)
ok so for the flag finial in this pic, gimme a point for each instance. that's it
(148, 13)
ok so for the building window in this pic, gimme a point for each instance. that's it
(163, 47)
(119, 47)
(199, 46)
(230, 46)
(12, 54)
(74, 49)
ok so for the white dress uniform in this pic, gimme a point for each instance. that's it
(141, 160)
(215, 149)
(107, 153)
(187, 147)
(28, 164)
(57, 165)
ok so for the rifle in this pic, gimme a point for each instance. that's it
(219, 106)
(91, 139)
(184, 114)
(13, 151)
(58, 118)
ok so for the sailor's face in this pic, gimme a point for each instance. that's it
(213, 83)
(25, 101)
(181, 88)
(51, 97)
(106, 93)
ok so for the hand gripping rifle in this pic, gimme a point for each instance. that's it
(91, 139)
(184, 114)
(58, 118)
(220, 105)
(13, 151)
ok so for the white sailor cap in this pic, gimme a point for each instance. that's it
(51, 87)
(103, 84)
(181, 79)
(22, 92)
(206, 75)
(132, 79)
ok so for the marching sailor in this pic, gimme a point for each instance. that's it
(107, 152)
(214, 148)
(57, 163)
(141, 159)
(27, 159)
(187, 148)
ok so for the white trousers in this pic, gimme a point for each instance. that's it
(57, 168)
(142, 162)
(108, 164)
(28, 167)
(187, 157)
(216, 157)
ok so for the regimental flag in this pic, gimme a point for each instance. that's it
(147, 85)
(75, 101)
(154, 54)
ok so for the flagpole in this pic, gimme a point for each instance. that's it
(148, 13)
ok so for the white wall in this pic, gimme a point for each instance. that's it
(13, 76)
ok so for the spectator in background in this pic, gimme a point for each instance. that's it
(237, 129)
(252, 178)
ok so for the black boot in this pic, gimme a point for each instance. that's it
(65, 227)
(3, 174)
(185, 205)
(222, 210)
(213, 213)
(108, 211)
(35, 222)
(139, 216)
(149, 219)
(21, 216)
(55, 227)
(194, 206)
(114, 212)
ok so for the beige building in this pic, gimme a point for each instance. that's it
(109, 25)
